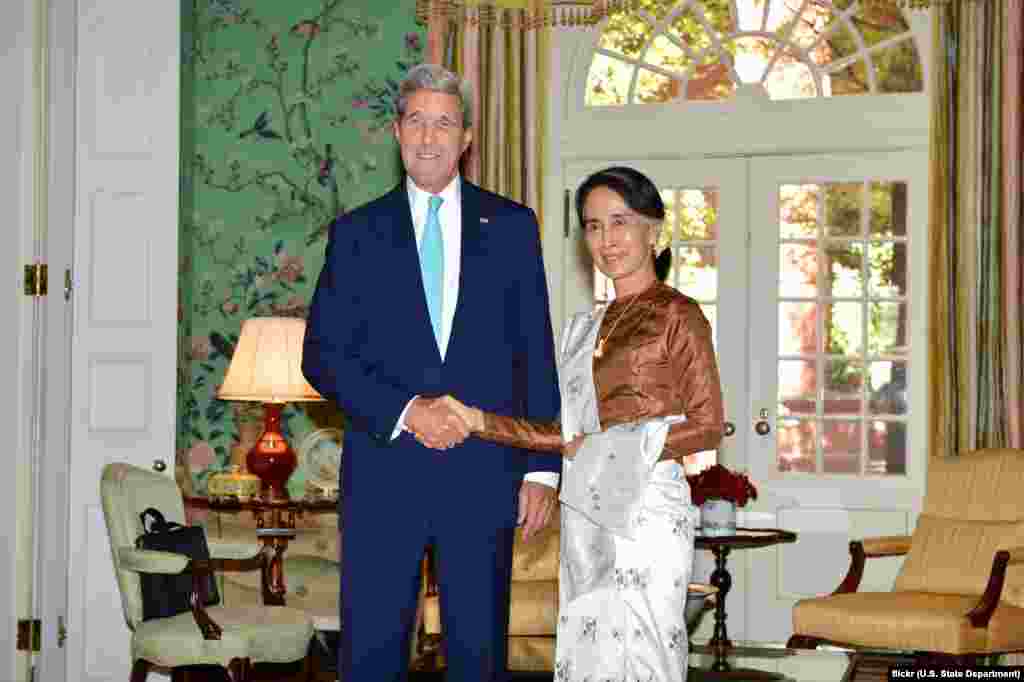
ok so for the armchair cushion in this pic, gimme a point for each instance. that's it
(264, 635)
(952, 556)
(913, 620)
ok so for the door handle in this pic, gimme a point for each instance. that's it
(729, 429)
(762, 427)
(159, 465)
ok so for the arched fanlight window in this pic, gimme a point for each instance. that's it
(693, 50)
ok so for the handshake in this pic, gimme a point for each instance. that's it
(440, 423)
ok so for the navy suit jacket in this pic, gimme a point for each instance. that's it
(369, 347)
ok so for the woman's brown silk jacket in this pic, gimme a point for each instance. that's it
(659, 360)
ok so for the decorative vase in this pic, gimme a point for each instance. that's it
(718, 517)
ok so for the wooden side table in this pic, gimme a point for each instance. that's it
(721, 546)
(275, 527)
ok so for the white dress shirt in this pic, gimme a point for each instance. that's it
(450, 217)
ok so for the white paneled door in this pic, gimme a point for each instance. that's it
(811, 270)
(123, 324)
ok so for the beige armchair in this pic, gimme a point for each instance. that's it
(233, 638)
(960, 592)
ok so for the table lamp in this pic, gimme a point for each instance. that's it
(267, 367)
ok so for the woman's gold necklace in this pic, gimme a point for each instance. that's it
(599, 351)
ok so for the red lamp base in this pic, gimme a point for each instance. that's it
(272, 459)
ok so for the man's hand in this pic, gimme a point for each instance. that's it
(537, 504)
(435, 424)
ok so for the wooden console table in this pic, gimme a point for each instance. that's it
(275, 526)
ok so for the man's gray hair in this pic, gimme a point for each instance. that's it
(438, 79)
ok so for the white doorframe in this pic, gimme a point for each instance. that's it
(17, 179)
(52, 569)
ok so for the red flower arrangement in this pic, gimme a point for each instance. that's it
(718, 482)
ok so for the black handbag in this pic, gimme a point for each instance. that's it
(165, 595)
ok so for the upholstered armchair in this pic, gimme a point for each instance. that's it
(233, 638)
(960, 591)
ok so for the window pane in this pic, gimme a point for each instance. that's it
(608, 81)
(798, 211)
(898, 69)
(842, 209)
(803, 23)
(844, 331)
(888, 269)
(850, 80)
(790, 78)
(668, 55)
(840, 446)
(798, 328)
(796, 446)
(798, 270)
(626, 33)
(654, 87)
(844, 384)
(797, 387)
(888, 209)
(698, 214)
(887, 447)
(887, 328)
(695, 272)
(750, 56)
(888, 389)
(692, 29)
(844, 270)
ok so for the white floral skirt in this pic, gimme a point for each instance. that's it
(633, 629)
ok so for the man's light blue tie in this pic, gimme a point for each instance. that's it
(432, 265)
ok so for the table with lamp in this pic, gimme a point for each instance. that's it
(266, 367)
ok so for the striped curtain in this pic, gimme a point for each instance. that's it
(507, 63)
(977, 284)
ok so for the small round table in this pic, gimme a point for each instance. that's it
(275, 526)
(721, 546)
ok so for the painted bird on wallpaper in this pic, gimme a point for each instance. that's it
(307, 28)
(261, 128)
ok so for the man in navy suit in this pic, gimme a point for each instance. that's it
(435, 288)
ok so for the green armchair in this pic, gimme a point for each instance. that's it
(233, 638)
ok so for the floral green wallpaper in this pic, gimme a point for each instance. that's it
(285, 118)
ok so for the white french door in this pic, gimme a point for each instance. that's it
(838, 291)
(811, 270)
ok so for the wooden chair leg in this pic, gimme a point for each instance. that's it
(240, 670)
(309, 671)
(803, 642)
(140, 669)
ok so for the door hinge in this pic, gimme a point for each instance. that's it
(30, 635)
(35, 279)
(62, 632)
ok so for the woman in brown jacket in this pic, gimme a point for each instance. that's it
(638, 377)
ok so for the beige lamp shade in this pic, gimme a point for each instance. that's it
(267, 364)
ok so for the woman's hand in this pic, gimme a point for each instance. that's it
(570, 448)
(473, 417)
